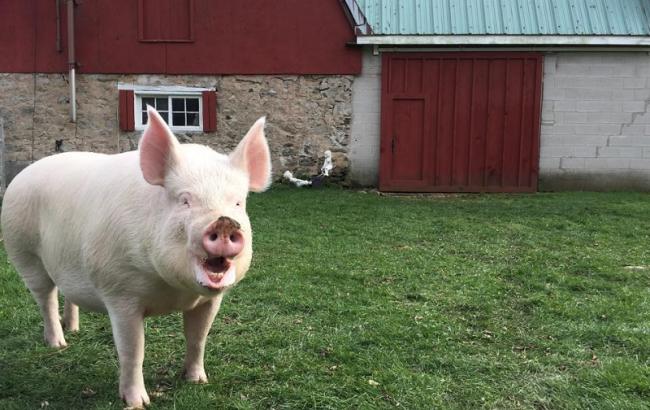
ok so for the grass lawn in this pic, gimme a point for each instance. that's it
(361, 301)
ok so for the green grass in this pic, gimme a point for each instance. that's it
(361, 301)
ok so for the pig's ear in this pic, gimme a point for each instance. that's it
(157, 149)
(252, 156)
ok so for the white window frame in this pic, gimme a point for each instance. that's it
(140, 91)
(139, 95)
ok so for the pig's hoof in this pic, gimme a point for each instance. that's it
(56, 342)
(70, 325)
(196, 376)
(135, 398)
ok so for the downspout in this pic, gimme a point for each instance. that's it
(58, 26)
(71, 62)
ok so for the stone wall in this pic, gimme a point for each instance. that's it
(595, 121)
(306, 115)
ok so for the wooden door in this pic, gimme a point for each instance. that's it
(460, 122)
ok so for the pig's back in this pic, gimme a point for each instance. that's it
(51, 209)
(41, 189)
(57, 186)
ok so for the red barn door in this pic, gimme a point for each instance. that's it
(460, 122)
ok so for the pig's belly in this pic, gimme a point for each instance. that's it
(83, 295)
(159, 300)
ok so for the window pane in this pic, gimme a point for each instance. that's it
(178, 104)
(178, 119)
(161, 104)
(165, 116)
(144, 118)
(193, 119)
(192, 104)
(148, 101)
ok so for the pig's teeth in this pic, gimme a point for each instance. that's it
(216, 276)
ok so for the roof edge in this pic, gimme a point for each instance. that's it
(356, 17)
(447, 40)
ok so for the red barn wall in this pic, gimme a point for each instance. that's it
(229, 37)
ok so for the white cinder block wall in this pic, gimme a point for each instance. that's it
(595, 131)
(366, 120)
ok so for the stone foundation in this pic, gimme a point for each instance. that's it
(306, 115)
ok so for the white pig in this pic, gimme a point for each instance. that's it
(136, 234)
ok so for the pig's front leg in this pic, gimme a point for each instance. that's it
(196, 324)
(127, 322)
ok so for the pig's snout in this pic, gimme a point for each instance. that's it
(223, 238)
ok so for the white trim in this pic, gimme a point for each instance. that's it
(162, 89)
(137, 108)
(440, 49)
(639, 41)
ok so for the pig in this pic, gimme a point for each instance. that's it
(141, 233)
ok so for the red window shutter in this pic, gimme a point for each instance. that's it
(209, 111)
(127, 122)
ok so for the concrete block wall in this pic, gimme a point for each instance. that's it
(366, 120)
(595, 131)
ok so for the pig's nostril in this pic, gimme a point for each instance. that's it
(233, 238)
(213, 237)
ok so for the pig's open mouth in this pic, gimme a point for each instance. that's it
(216, 272)
(216, 266)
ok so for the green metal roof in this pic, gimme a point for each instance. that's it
(507, 17)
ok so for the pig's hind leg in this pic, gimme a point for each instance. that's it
(70, 316)
(46, 294)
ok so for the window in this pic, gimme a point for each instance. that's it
(183, 108)
(181, 112)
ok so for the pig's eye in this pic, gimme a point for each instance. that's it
(184, 199)
(238, 203)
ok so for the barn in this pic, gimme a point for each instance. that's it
(409, 95)
(75, 75)
(502, 95)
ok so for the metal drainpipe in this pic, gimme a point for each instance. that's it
(58, 26)
(71, 62)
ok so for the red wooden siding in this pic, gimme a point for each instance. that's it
(228, 37)
(165, 20)
(460, 122)
(127, 121)
(209, 111)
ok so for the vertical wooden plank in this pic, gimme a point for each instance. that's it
(527, 124)
(512, 123)
(430, 87)
(478, 129)
(141, 33)
(462, 121)
(398, 75)
(413, 76)
(494, 135)
(445, 122)
(18, 33)
(164, 10)
(126, 101)
(190, 27)
(209, 111)
(408, 135)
